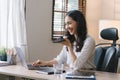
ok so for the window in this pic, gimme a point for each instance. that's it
(60, 7)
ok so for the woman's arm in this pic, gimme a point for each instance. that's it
(72, 54)
(86, 52)
(44, 63)
(60, 59)
(70, 49)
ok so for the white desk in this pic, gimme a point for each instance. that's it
(20, 71)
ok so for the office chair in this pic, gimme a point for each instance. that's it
(105, 58)
(118, 59)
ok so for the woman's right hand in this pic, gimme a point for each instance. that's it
(39, 63)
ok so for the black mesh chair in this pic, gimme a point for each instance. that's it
(105, 58)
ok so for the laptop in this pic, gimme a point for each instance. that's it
(29, 66)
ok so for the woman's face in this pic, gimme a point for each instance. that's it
(70, 25)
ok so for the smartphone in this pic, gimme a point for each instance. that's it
(61, 39)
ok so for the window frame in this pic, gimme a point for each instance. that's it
(81, 7)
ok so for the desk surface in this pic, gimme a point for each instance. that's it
(20, 71)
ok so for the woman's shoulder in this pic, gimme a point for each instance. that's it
(89, 39)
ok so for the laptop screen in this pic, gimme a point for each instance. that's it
(21, 56)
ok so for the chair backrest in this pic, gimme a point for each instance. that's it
(98, 57)
(105, 57)
(118, 60)
(109, 60)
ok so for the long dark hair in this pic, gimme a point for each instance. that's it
(81, 29)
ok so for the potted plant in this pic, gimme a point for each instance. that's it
(3, 56)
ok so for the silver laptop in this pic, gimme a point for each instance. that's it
(28, 66)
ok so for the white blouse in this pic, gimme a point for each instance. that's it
(84, 57)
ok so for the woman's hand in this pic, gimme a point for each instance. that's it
(39, 63)
(66, 42)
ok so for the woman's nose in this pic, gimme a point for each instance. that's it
(67, 28)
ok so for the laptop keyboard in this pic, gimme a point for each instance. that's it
(30, 67)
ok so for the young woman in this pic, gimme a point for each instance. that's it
(78, 46)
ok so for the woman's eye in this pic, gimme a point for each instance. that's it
(68, 23)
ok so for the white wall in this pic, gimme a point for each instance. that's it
(93, 14)
(100, 9)
(39, 25)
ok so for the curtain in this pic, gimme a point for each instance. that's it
(12, 24)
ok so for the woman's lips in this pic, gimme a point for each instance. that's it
(70, 30)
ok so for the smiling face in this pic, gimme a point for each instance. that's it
(70, 25)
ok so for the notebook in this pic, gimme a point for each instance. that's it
(46, 71)
(85, 75)
(29, 66)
